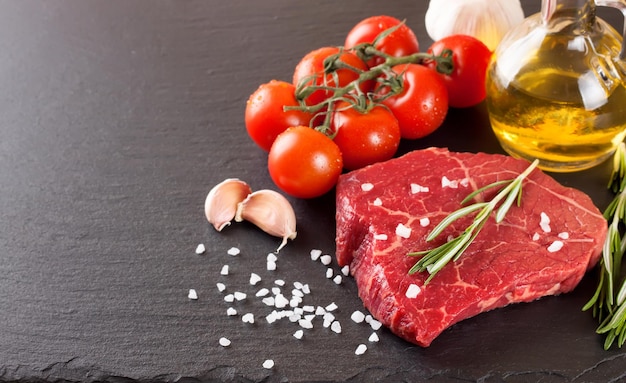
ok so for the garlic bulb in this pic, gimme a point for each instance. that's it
(486, 20)
(220, 205)
(269, 211)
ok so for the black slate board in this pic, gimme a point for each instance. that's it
(116, 119)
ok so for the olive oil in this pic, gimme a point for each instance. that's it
(556, 93)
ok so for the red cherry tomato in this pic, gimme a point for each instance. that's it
(466, 84)
(265, 117)
(402, 42)
(311, 66)
(304, 162)
(422, 104)
(365, 138)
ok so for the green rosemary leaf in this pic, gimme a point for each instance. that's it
(508, 202)
(460, 213)
(482, 189)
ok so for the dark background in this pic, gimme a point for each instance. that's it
(116, 119)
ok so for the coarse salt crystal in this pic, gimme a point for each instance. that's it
(555, 246)
(268, 364)
(239, 295)
(464, 182)
(360, 350)
(338, 279)
(367, 186)
(254, 278)
(295, 301)
(200, 249)
(345, 270)
(535, 236)
(336, 327)
(415, 188)
(563, 235)
(306, 324)
(308, 308)
(229, 298)
(375, 324)
(279, 282)
(275, 290)
(271, 257)
(424, 222)
(271, 266)
(293, 318)
(298, 334)
(263, 292)
(224, 270)
(545, 223)
(319, 310)
(326, 259)
(329, 273)
(357, 317)
(233, 251)
(368, 319)
(280, 301)
(231, 311)
(192, 294)
(403, 231)
(306, 289)
(315, 254)
(224, 342)
(248, 318)
(331, 307)
(269, 301)
(378, 202)
(220, 286)
(271, 317)
(445, 182)
(297, 293)
(373, 337)
(380, 237)
(413, 291)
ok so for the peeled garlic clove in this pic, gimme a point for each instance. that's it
(220, 205)
(271, 212)
(486, 20)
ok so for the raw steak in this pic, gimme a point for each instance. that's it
(386, 210)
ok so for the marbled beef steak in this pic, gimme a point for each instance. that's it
(385, 211)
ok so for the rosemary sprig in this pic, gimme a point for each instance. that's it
(608, 303)
(435, 259)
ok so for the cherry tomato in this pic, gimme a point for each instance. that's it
(422, 104)
(466, 84)
(365, 138)
(304, 162)
(312, 66)
(402, 42)
(265, 117)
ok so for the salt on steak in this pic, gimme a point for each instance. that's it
(384, 211)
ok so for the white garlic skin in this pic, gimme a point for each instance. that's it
(221, 203)
(271, 212)
(486, 20)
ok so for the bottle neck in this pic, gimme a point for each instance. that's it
(582, 11)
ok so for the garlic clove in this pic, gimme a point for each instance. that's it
(220, 205)
(486, 20)
(271, 212)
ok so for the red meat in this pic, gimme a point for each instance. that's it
(384, 211)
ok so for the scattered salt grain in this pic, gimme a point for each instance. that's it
(268, 301)
(320, 310)
(403, 231)
(329, 273)
(367, 187)
(254, 278)
(233, 251)
(200, 249)
(248, 318)
(263, 292)
(306, 289)
(295, 301)
(298, 334)
(336, 327)
(279, 282)
(224, 342)
(231, 311)
(331, 307)
(271, 266)
(308, 308)
(271, 317)
(378, 202)
(545, 223)
(360, 350)
(220, 287)
(424, 222)
(338, 279)
(229, 298)
(464, 182)
(329, 318)
(380, 237)
(326, 259)
(563, 235)
(268, 364)
(373, 337)
(275, 290)
(445, 182)
(536, 237)
(345, 270)
(297, 293)
(368, 319)
(415, 188)
(555, 246)
(412, 291)
(357, 317)
(306, 324)
(192, 294)
(271, 257)
(315, 254)
(280, 301)
(375, 325)
(224, 270)
(239, 295)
